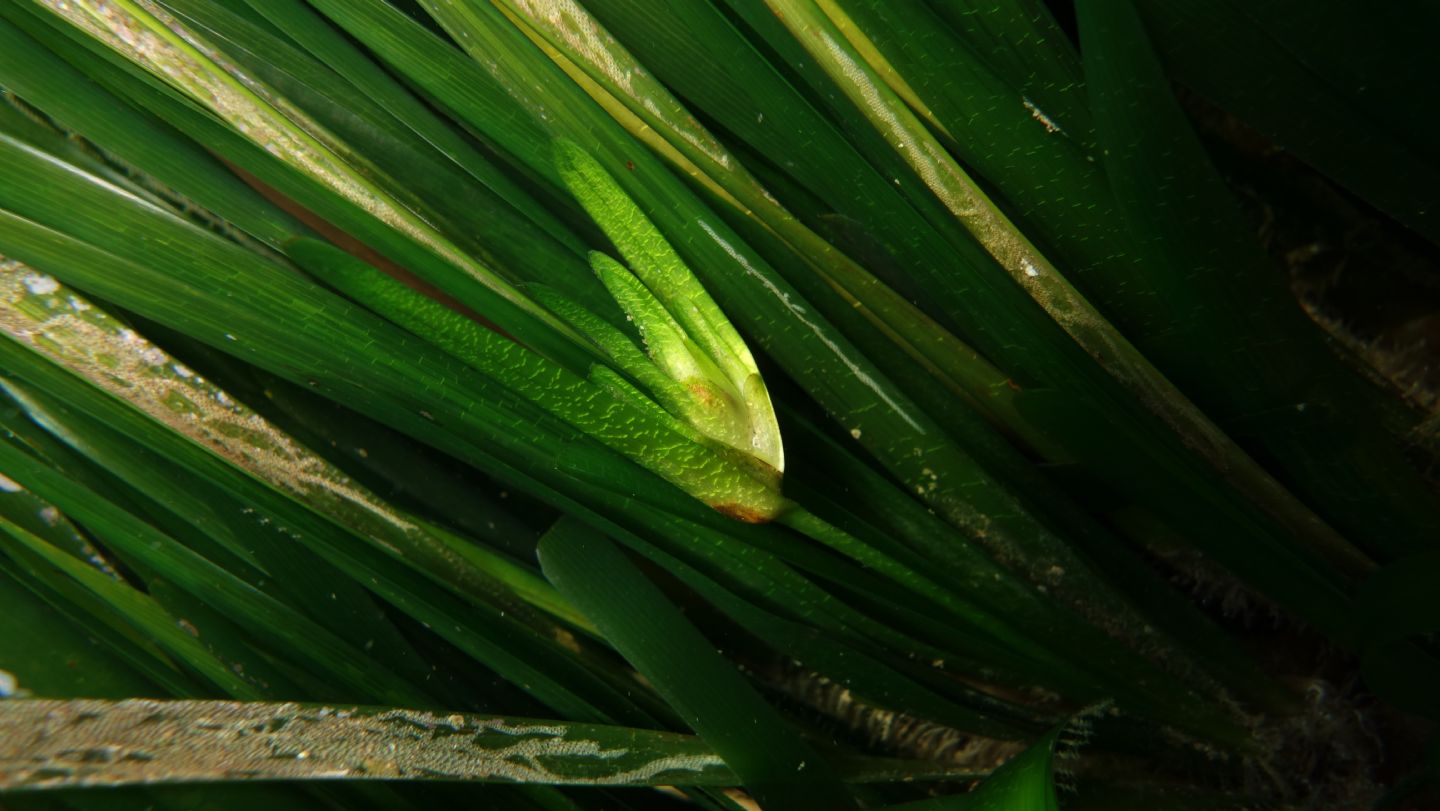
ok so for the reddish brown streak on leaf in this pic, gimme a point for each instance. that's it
(360, 250)
(740, 512)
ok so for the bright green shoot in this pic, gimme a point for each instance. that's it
(687, 336)
(602, 407)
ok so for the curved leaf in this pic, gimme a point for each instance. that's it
(782, 770)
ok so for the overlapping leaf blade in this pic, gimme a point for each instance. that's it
(948, 552)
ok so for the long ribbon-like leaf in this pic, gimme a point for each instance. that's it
(714, 698)
(50, 744)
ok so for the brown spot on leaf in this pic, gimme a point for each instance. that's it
(740, 512)
(705, 393)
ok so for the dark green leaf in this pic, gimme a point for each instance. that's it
(710, 694)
